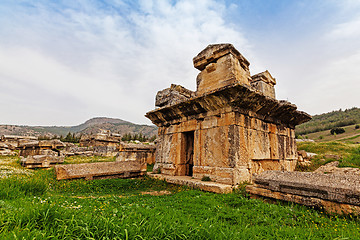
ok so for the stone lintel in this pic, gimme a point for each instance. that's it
(238, 97)
(215, 51)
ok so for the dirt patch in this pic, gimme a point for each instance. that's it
(156, 193)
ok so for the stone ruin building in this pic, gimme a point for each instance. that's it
(9, 143)
(41, 154)
(136, 152)
(231, 127)
(104, 138)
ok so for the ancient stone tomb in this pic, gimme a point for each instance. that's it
(229, 128)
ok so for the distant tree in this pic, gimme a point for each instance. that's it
(337, 130)
(138, 136)
(70, 138)
(152, 138)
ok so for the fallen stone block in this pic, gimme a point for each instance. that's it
(41, 161)
(336, 193)
(101, 170)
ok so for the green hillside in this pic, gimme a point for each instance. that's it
(330, 120)
(91, 126)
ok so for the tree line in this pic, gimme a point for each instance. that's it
(137, 136)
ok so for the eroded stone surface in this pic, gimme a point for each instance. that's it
(334, 192)
(41, 161)
(136, 152)
(174, 94)
(101, 170)
(41, 154)
(103, 139)
(264, 83)
(220, 66)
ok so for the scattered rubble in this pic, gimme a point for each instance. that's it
(304, 158)
(332, 168)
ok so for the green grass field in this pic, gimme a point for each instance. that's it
(34, 205)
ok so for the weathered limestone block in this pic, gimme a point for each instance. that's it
(264, 83)
(101, 170)
(217, 174)
(220, 65)
(6, 150)
(42, 147)
(105, 138)
(174, 94)
(136, 152)
(334, 192)
(41, 161)
(13, 141)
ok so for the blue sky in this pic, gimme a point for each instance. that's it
(63, 62)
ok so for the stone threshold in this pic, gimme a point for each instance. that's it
(194, 183)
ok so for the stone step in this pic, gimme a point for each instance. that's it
(195, 183)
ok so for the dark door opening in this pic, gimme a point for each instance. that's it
(189, 152)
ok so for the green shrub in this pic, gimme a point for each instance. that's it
(337, 130)
(206, 179)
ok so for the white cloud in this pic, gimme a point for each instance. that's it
(106, 63)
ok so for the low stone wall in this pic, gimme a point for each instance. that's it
(335, 193)
(101, 170)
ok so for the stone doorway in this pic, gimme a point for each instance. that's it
(188, 153)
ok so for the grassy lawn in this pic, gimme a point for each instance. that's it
(36, 206)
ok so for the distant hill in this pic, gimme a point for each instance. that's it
(330, 120)
(93, 125)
